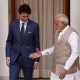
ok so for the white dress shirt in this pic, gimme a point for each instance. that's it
(25, 25)
(73, 40)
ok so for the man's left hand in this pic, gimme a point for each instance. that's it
(36, 64)
(63, 74)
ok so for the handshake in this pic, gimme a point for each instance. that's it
(37, 54)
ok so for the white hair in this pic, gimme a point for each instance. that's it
(62, 18)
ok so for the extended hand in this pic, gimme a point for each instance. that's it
(63, 74)
(35, 55)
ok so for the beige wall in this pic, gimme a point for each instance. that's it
(3, 35)
(75, 14)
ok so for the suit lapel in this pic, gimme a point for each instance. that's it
(28, 26)
(18, 28)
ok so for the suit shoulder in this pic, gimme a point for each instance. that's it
(15, 21)
(33, 22)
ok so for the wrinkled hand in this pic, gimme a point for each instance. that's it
(63, 74)
(8, 61)
(35, 55)
(36, 65)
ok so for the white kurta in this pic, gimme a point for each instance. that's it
(73, 41)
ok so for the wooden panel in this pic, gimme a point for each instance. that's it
(12, 9)
(67, 8)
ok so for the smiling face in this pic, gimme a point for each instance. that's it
(60, 21)
(59, 25)
(24, 16)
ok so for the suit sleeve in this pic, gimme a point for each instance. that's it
(36, 40)
(9, 41)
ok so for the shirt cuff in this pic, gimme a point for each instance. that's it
(66, 68)
(36, 62)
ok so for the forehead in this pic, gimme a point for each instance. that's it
(24, 14)
(57, 20)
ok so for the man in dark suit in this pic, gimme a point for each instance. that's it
(23, 39)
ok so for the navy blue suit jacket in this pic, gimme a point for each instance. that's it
(31, 42)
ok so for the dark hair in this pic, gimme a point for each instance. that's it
(24, 8)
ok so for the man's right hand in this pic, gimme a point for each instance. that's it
(8, 61)
(37, 54)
